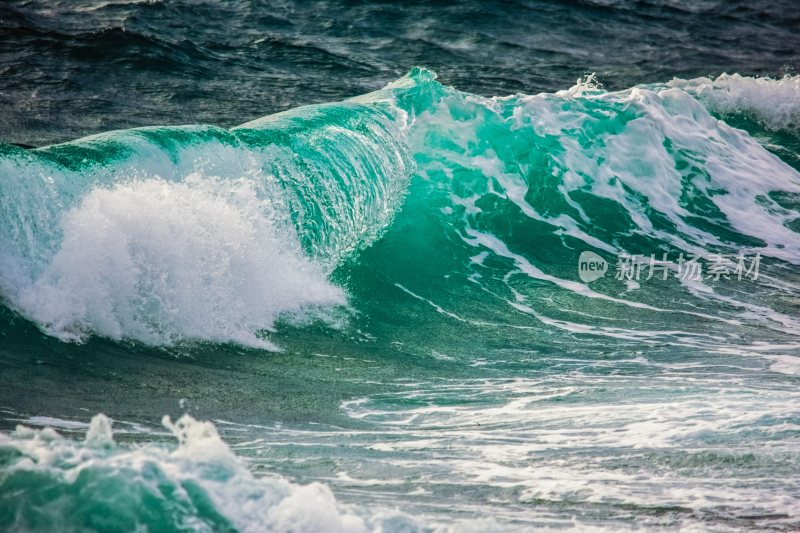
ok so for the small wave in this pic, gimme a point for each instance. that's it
(50, 482)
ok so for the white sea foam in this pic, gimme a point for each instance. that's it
(638, 157)
(786, 364)
(163, 235)
(162, 262)
(652, 144)
(569, 440)
(773, 102)
(653, 152)
(200, 460)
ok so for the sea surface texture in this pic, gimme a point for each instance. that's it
(481, 267)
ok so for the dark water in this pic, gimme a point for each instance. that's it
(71, 69)
(376, 302)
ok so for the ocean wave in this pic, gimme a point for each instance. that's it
(164, 235)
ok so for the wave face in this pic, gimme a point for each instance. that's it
(415, 253)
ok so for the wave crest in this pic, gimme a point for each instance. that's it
(775, 103)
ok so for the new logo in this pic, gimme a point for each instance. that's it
(591, 266)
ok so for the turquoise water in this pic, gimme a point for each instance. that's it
(370, 313)
(375, 309)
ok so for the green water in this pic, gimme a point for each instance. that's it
(378, 304)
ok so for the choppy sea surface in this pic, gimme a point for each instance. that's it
(491, 266)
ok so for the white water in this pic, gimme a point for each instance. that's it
(163, 262)
(773, 102)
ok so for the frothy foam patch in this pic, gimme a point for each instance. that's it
(162, 262)
(54, 483)
(785, 364)
(773, 102)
